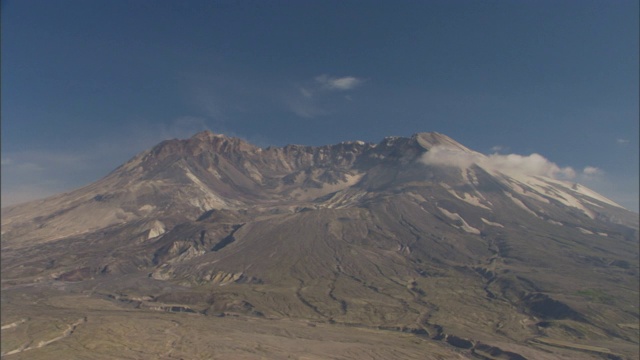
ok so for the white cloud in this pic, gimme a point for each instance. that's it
(315, 97)
(622, 141)
(534, 164)
(338, 83)
(497, 148)
(448, 156)
(591, 171)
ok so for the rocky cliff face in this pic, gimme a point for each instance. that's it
(413, 234)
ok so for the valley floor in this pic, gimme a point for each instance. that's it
(46, 324)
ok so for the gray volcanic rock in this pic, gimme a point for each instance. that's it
(415, 235)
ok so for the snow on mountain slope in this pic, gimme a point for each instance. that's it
(212, 171)
(418, 236)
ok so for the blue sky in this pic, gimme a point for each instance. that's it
(88, 84)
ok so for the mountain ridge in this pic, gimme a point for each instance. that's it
(407, 235)
(280, 161)
(215, 171)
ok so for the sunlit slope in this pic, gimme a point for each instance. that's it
(418, 236)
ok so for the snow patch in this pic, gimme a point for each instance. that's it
(254, 173)
(207, 203)
(491, 223)
(548, 188)
(136, 161)
(327, 188)
(571, 201)
(445, 185)
(343, 199)
(534, 170)
(455, 217)
(214, 172)
(591, 203)
(585, 231)
(471, 176)
(562, 192)
(515, 185)
(520, 204)
(417, 196)
(146, 208)
(592, 194)
(156, 229)
(210, 201)
(469, 199)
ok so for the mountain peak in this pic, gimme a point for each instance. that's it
(351, 234)
(208, 135)
(428, 140)
(208, 141)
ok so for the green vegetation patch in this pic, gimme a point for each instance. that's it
(596, 295)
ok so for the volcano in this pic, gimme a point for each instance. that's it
(414, 247)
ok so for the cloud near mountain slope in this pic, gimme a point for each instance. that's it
(532, 165)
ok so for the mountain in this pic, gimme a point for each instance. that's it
(410, 248)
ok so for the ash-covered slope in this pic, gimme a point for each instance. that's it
(180, 179)
(414, 234)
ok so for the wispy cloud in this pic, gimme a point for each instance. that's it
(316, 96)
(305, 106)
(338, 83)
(592, 171)
(622, 141)
(222, 98)
(307, 93)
